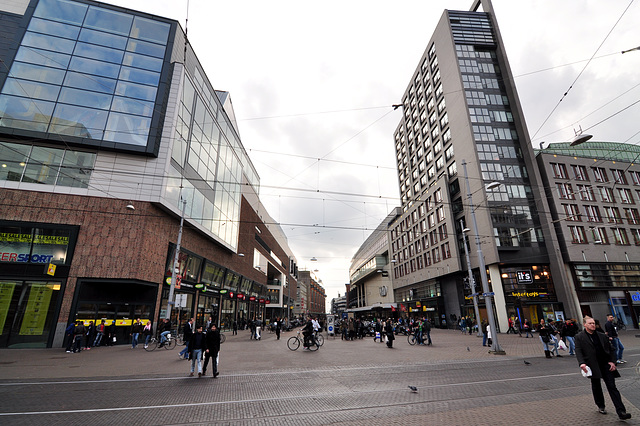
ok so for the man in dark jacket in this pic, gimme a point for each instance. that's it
(197, 345)
(78, 335)
(211, 352)
(187, 332)
(593, 351)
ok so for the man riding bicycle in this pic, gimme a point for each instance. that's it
(307, 332)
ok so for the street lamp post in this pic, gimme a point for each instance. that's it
(172, 287)
(495, 346)
(472, 282)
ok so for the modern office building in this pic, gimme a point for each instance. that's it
(370, 275)
(110, 132)
(463, 125)
(594, 195)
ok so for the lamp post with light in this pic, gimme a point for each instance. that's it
(495, 347)
(472, 281)
(172, 287)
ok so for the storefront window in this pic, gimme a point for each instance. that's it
(25, 244)
(26, 312)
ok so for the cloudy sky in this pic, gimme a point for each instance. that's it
(312, 85)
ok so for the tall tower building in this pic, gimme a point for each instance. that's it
(461, 107)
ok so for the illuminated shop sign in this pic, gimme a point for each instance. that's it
(635, 296)
(24, 257)
(525, 294)
(524, 277)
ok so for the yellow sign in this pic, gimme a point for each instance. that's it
(51, 270)
(424, 309)
(37, 309)
(6, 293)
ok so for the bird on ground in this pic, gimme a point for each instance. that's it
(526, 362)
(468, 350)
(413, 389)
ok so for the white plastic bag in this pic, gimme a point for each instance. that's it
(562, 345)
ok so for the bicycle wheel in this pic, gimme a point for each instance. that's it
(222, 338)
(314, 346)
(411, 338)
(153, 344)
(293, 343)
(320, 339)
(171, 343)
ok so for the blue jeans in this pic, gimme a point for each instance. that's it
(98, 339)
(572, 345)
(528, 332)
(428, 333)
(134, 340)
(185, 352)
(617, 347)
(484, 339)
(163, 336)
(196, 356)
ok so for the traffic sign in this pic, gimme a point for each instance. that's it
(488, 294)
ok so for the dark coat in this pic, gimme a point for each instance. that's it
(213, 341)
(586, 352)
(389, 331)
(198, 341)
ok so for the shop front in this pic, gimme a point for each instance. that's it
(34, 268)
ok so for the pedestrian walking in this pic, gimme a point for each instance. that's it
(516, 324)
(485, 332)
(511, 324)
(612, 333)
(527, 329)
(78, 334)
(389, 332)
(278, 328)
(101, 329)
(235, 328)
(136, 329)
(197, 345)
(569, 332)
(212, 350)
(544, 331)
(89, 335)
(147, 332)
(594, 352)
(69, 333)
(187, 331)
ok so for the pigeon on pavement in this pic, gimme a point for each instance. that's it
(526, 362)
(468, 350)
(413, 389)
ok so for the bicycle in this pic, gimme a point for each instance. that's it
(294, 343)
(412, 339)
(319, 338)
(154, 342)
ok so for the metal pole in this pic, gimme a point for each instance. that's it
(472, 282)
(495, 346)
(172, 287)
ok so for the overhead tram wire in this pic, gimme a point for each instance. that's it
(581, 72)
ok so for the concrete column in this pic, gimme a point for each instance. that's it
(499, 299)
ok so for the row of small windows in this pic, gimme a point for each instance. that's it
(600, 174)
(429, 258)
(479, 98)
(620, 236)
(607, 194)
(592, 213)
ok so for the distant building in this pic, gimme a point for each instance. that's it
(371, 283)
(311, 297)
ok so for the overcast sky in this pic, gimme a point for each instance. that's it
(312, 84)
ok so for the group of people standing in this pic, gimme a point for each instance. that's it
(83, 337)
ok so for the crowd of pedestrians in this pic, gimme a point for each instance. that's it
(84, 337)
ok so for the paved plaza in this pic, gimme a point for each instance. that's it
(345, 382)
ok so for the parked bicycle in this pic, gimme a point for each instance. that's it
(412, 339)
(294, 342)
(168, 344)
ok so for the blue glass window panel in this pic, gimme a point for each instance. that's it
(37, 73)
(98, 52)
(42, 41)
(144, 62)
(138, 91)
(90, 82)
(132, 106)
(22, 113)
(78, 121)
(85, 98)
(91, 66)
(108, 20)
(61, 10)
(43, 57)
(150, 49)
(139, 76)
(149, 30)
(31, 89)
(129, 129)
(103, 39)
(54, 28)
